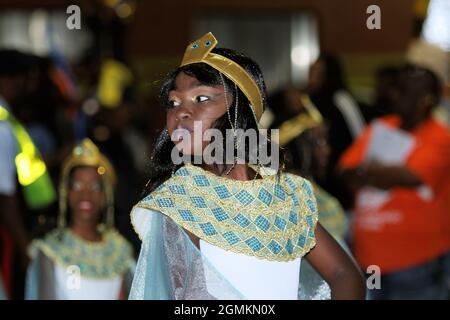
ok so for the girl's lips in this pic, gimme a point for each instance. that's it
(185, 128)
(181, 132)
(85, 205)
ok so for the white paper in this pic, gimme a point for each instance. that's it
(388, 146)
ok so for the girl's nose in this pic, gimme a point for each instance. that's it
(183, 113)
(86, 192)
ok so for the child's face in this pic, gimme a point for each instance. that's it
(86, 195)
(192, 101)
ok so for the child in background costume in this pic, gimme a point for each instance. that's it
(227, 231)
(304, 137)
(82, 258)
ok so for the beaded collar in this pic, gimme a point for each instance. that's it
(104, 259)
(269, 218)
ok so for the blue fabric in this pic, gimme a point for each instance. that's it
(423, 282)
(2, 291)
(446, 266)
(32, 280)
(157, 285)
(171, 267)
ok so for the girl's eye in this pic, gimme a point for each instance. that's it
(96, 187)
(202, 98)
(76, 186)
(173, 103)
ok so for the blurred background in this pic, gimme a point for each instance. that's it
(102, 81)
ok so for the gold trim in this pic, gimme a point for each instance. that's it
(199, 51)
(295, 126)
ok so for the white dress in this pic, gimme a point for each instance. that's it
(257, 279)
(66, 267)
(71, 286)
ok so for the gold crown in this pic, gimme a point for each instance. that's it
(87, 154)
(199, 51)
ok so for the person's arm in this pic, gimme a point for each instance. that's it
(427, 165)
(127, 278)
(349, 167)
(381, 176)
(10, 214)
(123, 293)
(336, 267)
(10, 217)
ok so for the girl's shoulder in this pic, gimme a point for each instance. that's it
(50, 240)
(298, 183)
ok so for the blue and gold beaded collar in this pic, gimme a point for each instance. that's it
(265, 218)
(109, 258)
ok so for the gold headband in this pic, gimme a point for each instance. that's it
(86, 154)
(199, 51)
(292, 128)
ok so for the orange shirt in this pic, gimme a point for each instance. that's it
(406, 228)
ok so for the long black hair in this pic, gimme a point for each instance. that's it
(334, 76)
(161, 166)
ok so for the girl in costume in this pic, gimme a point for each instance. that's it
(226, 231)
(83, 258)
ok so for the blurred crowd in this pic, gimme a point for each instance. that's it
(48, 106)
(381, 170)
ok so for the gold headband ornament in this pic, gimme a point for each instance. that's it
(199, 51)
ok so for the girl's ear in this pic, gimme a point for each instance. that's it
(104, 202)
(429, 99)
(427, 102)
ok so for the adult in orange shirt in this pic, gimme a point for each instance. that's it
(400, 169)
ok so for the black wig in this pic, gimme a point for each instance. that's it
(161, 165)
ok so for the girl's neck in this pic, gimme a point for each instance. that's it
(239, 172)
(86, 231)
